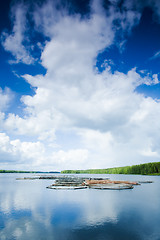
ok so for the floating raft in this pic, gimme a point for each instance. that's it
(27, 178)
(145, 182)
(62, 187)
(106, 182)
(110, 186)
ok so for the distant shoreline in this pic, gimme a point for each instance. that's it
(17, 171)
(141, 169)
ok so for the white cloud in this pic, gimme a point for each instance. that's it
(5, 98)
(112, 124)
(14, 42)
(71, 159)
(136, 5)
(33, 155)
(18, 151)
(156, 55)
(93, 207)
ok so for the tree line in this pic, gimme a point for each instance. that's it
(16, 171)
(19, 171)
(143, 169)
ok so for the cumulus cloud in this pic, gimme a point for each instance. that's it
(33, 155)
(112, 124)
(15, 41)
(5, 98)
(15, 150)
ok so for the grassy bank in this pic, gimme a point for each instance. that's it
(143, 169)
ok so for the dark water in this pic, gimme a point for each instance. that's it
(30, 211)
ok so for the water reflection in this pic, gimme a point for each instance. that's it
(30, 211)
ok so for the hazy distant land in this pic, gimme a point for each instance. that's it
(19, 171)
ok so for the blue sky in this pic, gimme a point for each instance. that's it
(79, 84)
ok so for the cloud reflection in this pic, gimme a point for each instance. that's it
(29, 210)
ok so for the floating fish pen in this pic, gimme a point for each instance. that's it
(111, 186)
(72, 186)
(92, 184)
(66, 182)
(66, 187)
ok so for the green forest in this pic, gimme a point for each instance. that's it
(143, 169)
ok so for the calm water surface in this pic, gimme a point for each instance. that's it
(28, 210)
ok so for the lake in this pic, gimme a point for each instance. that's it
(28, 210)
